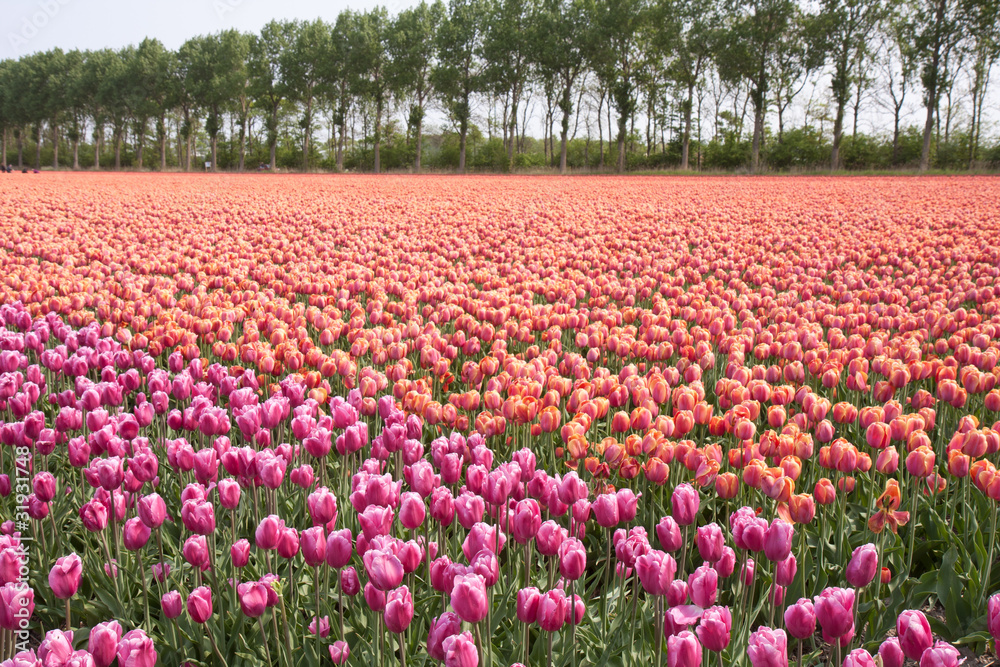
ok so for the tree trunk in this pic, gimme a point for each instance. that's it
(55, 146)
(97, 148)
(215, 152)
(187, 153)
(758, 136)
(378, 136)
(3, 149)
(420, 141)
(243, 143)
(20, 149)
(76, 155)
(925, 153)
(600, 132)
(118, 150)
(686, 143)
(622, 128)
(461, 149)
(38, 149)
(838, 131)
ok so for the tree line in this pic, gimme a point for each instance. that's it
(368, 81)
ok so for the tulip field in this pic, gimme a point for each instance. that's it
(310, 420)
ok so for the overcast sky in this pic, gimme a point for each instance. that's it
(39, 25)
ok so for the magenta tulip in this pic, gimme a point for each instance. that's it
(684, 503)
(710, 541)
(199, 604)
(891, 653)
(703, 585)
(65, 576)
(442, 627)
(993, 616)
(572, 559)
(527, 604)
(914, 633)
(941, 654)
(339, 546)
(152, 510)
(172, 605)
(552, 610)
(339, 652)
(863, 566)
(468, 597)
(800, 619)
(778, 540)
(103, 641)
(714, 628)
(136, 650)
(384, 569)
(835, 611)
(460, 651)
(768, 648)
(56, 648)
(398, 610)
(683, 650)
(669, 534)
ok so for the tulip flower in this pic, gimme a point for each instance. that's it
(253, 598)
(778, 540)
(863, 566)
(199, 604)
(800, 619)
(460, 651)
(136, 650)
(398, 610)
(859, 658)
(56, 648)
(572, 559)
(891, 653)
(683, 650)
(710, 541)
(941, 654)
(714, 628)
(339, 652)
(768, 648)
(441, 628)
(703, 585)
(835, 611)
(552, 611)
(172, 605)
(104, 638)
(65, 576)
(468, 597)
(914, 633)
(993, 617)
(684, 504)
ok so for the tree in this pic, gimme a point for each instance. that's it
(412, 48)
(75, 100)
(845, 28)
(268, 87)
(561, 36)
(113, 74)
(618, 54)
(303, 67)
(982, 21)
(747, 52)
(936, 30)
(370, 61)
(507, 50)
(150, 93)
(898, 65)
(458, 74)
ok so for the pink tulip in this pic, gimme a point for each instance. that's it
(835, 611)
(65, 576)
(891, 653)
(441, 628)
(136, 650)
(398, 610)
(468, 597)
(460, 651)
(683, 650)
(552, 610)
(322, 506)
(703, 585)
(768, 648)
(152, 510)
(993, 616)
(339, 546)
(229, 493)
(778, 540)
(103, 641)
(268, 532)
(195, 552)
(863, 566)
(411, 510)
(374, 598)
(656, 570)
(384, 569)
(627, 504)
(94, 516)
(784, 571)
(710, 542)
(253, 598)
(859, 658)
(669, 534)
(313, 545)
(572, 559)
(684, 504)
(800, 619)
(941, 654)
(349, 582)
(240, 553)
(135, 534)
(527, 604)
(171, 604)
(714, 628)
(288, 543)
(199, 604)
(56, 648)
(550, 535)
(914, 633)
(339, 652)
(526, 520)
